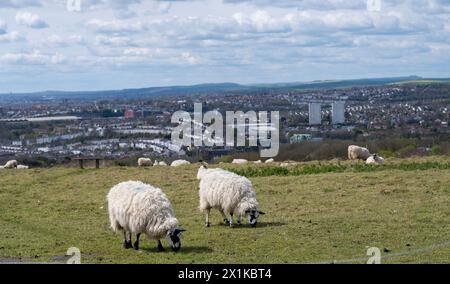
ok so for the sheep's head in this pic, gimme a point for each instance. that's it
(201, 170)
(253, 216)
(174, 238)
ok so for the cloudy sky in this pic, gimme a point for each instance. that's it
(114, 44)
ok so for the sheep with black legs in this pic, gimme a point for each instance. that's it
(135, 208)
(229, 193)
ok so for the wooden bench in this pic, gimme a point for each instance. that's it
(82, 159)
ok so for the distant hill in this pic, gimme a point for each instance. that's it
(216, 88)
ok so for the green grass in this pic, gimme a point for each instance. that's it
(310, 169)
(332, 214)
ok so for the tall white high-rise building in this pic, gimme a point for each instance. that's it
(338, 112)
(315, 114)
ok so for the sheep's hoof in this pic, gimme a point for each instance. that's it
(127, 245)
(226, 221)
(207, 225)
(161, 249)
(136, 246)
(231, 225)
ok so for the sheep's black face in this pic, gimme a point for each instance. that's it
(253, 216)
(173, 237)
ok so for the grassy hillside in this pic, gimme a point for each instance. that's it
(311, 217)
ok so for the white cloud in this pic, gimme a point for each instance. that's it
(3, 27)
(115, 26)
(112, 40)
(20, 3)
(34, 58)
(13, 36)
(30, 20)
(188, 58)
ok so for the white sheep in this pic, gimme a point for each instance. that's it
(375, 160)
(239, 161)
(136, 208)
(22, 167)
(269, 161)
(229, 193)
(178, 163)
(162, 163)
(145, 162)
(10, 164)
(257, 162)
(357, 153)
(288, 163)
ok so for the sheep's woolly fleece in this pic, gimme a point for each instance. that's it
(375, 160)
(239, 161)
(178, 163)
(137, 207)
(356, 152)
(226, 191)
(145, 162)
(11, 164)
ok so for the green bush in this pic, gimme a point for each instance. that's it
(436, 150)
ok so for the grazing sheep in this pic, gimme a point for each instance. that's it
(11, 164)
(22, 167)
(269, 161)
(162, 163)
(145, 162)
(375, 160)
(136, 208)
(229, 193)
(178, 163)
(357, 153)
(288, 163)
(239, 161)
(257, 162)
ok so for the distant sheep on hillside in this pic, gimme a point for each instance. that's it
(10, 164)
(239, 161)
(178, 163)
(162, 163)
(358, 153)
(145, 162)
(375, 160)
